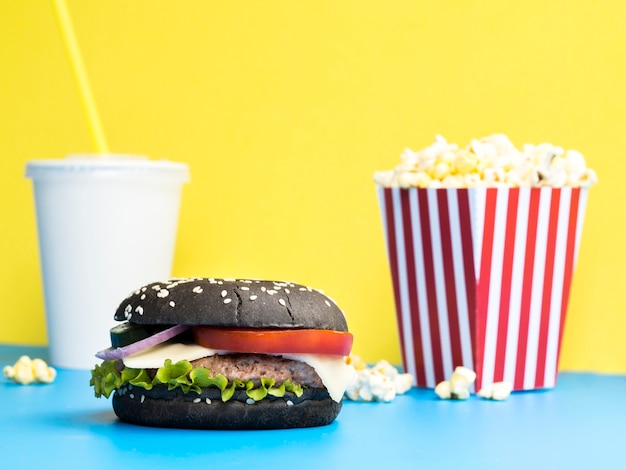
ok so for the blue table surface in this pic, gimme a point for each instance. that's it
(579, 424)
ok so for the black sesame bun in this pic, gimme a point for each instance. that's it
(307, 397)
(207, 411)
(232, 303)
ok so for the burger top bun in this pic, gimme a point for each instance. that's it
(246, 303)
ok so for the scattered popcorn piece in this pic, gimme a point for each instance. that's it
(403, 383)
(460, 381)
(460, 394)
(43, 373)
(446, 391)
(458, 387)
(356, 362)
(381, 382)
(488, 161)
(496, 391)
(26, 371)
(443, 390)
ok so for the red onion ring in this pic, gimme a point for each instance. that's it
(138, 346)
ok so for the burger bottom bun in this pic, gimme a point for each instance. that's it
(202, 412)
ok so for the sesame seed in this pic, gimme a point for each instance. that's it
(282, 302)
(327, 302)
(253, 297)
(139, 310)
(157, 287)
(272, 292)
(143, 397)
(287, 291)
(244, 288)
(143, 297)
(207, 401)
(250, 401)
(289, 403)
(224, 293)
(172, 303)
(197, 290)
(197, 400)
(132, 396)
(263, 288)
(163, 293)
(227, 301)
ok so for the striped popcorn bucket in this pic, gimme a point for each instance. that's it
(481, 279)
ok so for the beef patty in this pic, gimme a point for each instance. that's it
(253, 366)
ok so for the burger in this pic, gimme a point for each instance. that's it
(208, 353)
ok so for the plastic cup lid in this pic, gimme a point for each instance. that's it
(107, 164)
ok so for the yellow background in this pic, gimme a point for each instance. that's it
(284, 110)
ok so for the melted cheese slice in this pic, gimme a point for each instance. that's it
(154, 357)
(333, 370)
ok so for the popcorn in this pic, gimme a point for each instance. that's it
(443, 390)
(381, 382)
(356, 362)
(496, 391)
(458, 387)
(489, 161)
(26, 371)
(461, 380)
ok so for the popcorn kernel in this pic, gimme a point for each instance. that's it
(466, 373)
(26, 371)
(458, 387)
(496, 391)
(356, 362)
(493, 160)
(442, 389)
(381, 382)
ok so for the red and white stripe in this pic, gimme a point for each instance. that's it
(481, 279)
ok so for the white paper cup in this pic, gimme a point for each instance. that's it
(105, 226)
(481, 279)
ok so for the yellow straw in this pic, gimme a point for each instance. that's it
(80, 75)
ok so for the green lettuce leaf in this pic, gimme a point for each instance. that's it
(229, 391)
(261, 392)
(201, 378)
(174, 375)
(106, 378)
(294, 388)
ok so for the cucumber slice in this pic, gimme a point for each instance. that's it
(127, 333)
(138, 346)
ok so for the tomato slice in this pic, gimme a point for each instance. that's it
(269, 341)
